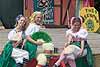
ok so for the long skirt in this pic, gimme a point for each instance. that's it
(72, 51)
(31, 48)
(84, 61)
(19, 55)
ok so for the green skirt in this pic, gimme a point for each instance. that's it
(32, 48)
(5, 59)
(86, 61)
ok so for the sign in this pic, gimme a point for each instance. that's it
(91, 18)
(47, 7)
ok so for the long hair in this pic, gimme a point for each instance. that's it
(32, 17)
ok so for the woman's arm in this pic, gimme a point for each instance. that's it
(33, 41)
(30, 29)
(82, 47)
(69, 39)
(83, 35)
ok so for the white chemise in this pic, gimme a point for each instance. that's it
(32, 28)
(73, 50)
(82, 33)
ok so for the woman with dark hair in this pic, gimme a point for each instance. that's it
(12, 49)
(17, 36)
(76, 45)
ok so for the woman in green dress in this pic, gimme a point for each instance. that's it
(35, 24)
(76, 46)
(11, 55)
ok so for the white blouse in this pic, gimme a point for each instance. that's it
(11, 33)
(14, 35)
(82, 33)
(32, 28)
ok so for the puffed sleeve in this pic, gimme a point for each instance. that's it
(10, 34)
(68, 32)
(83, 34)
(30, 29)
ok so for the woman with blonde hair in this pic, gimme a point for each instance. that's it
(36, 20)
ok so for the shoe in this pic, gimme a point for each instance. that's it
(25, 61)
(55, 65)
(19, 65)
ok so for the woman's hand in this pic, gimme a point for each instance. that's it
(80, 53)
(66, 44)
(39, 43)
(16, 43)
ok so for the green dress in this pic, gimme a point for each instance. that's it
(32, 48)
(86, 61)
(5, 59)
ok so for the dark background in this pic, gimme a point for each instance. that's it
(97, 6)
(9, 9)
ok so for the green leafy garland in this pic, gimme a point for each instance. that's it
(41, 35)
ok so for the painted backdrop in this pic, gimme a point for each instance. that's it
(47, 7)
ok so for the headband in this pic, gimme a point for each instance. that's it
(73, 19)
(18, 17)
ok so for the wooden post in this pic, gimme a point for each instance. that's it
(28, 7)
(77, 8)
